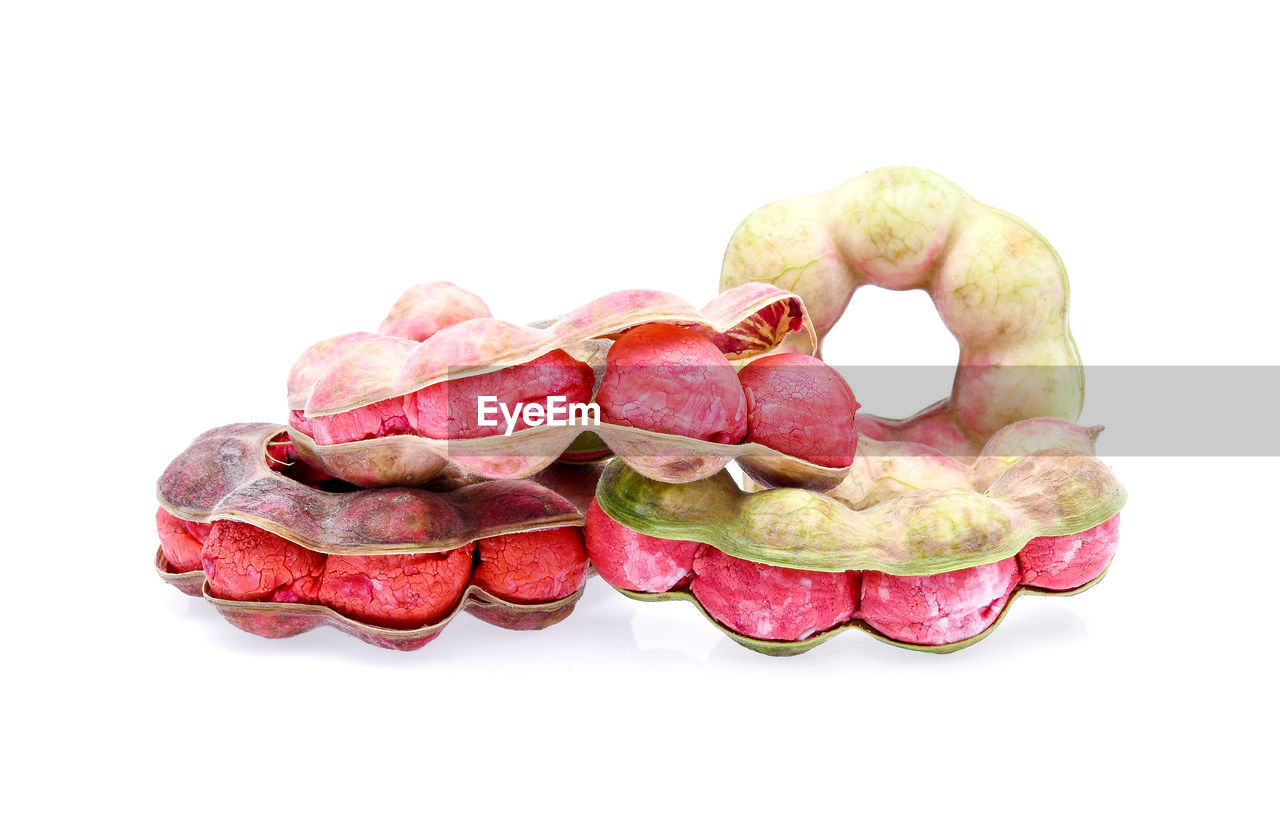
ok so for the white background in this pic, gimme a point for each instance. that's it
(190, 194)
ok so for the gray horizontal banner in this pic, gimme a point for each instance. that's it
(1145, 410)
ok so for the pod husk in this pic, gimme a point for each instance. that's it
(225, 474)
(743, 322)
(923, 530)
(357, 370)
(884, 470)
(664, 457)
(998, 285)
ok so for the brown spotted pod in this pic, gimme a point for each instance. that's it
(283, 549)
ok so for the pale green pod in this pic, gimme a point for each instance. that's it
(997, 284)
(905, 508)
(927, 530)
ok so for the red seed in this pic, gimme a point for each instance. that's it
(768, 602)
(539, 566)
(800, 405)
(400, 591)
(1064, 562)
(180, 540)
(939, 608)
(672, 380)
(448, 410)
(245, 563)
(634, 561)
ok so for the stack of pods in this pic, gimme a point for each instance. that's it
(455, 461)
(391, 500)
(933, 524)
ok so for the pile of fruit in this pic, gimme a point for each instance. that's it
(424, 469)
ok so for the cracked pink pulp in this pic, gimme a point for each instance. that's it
(768, 602)
(634, 561)
(398, 591)
(245, 563)
(1064, 562)
(385, 418)
(800, 405)
(940, 608)
(669, 379)
(538, 566)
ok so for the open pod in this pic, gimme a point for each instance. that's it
(363, 382)
(233, 473)
(908, 516)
